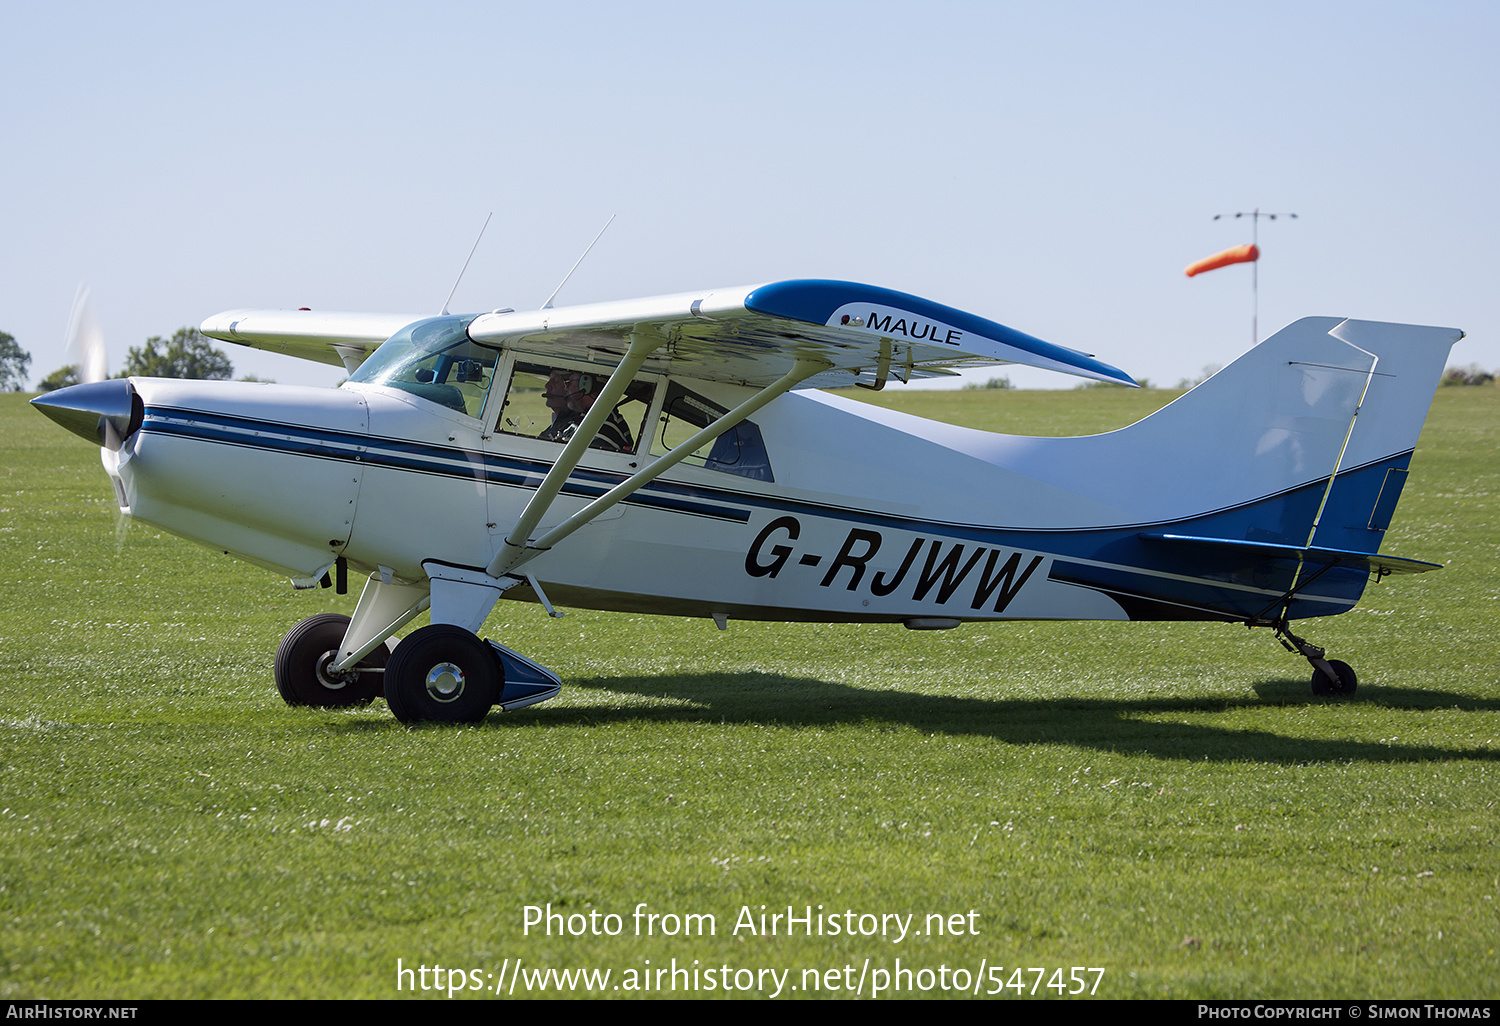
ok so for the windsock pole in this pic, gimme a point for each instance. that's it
(1255, 216)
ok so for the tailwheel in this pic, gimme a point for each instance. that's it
(442, 673)
(304, 661)
(1330, 676)
(1343, 684)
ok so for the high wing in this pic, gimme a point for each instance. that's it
(753, 335)
(749, 335)
(339, 339)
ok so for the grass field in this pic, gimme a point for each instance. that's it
(1167, 802)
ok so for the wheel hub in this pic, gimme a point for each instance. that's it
(330, 678)
(445, 682)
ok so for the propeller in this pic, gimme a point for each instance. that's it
(85, 341)
(106, 411)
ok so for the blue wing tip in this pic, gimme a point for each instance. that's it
(814, 300)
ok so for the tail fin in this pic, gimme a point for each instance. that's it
(1320, 399)
(1323, 416)
(1286, 464)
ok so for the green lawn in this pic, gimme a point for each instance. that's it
(1167, 802)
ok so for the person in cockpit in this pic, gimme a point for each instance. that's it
(570, 394)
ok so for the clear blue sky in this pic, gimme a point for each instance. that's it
(1052, 166)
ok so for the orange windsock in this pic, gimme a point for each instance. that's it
(1233, 255)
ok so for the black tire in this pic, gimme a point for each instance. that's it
(443, 674)
(1345, 685)
(302, 661)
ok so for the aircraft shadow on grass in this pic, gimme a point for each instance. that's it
(1122, 726)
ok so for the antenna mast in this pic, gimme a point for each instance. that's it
(548, 304)
(466, 261)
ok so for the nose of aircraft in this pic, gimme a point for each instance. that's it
(104, 412)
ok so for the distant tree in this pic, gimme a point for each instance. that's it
(991, 383)
(1209, 370)
(60, 378)
(1143, 382)
(13, 363)
(187, 355)
(1473, 374)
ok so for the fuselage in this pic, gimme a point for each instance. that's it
(831, 510)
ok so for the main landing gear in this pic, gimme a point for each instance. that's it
(441, 673)
(1330, 676)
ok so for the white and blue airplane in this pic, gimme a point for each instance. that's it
(677, 455)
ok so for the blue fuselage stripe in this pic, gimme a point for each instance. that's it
(415, 457)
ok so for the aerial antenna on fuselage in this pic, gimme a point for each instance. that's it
(466, 261)
(548, 304)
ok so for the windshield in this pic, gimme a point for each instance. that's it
(434, 360)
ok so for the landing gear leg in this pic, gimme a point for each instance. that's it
(1330, 676)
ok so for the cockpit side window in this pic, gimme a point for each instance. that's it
(740, 450)
(434, 360)
(549, 402)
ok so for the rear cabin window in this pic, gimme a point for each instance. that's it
(740, 450)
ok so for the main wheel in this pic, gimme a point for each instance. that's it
(304, 660)
(1345, 685)
(442, 673)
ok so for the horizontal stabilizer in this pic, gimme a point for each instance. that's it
(1370, 562)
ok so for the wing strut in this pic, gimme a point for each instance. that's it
(642, 345)
(514, 554)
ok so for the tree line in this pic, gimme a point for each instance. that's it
(187, 354)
